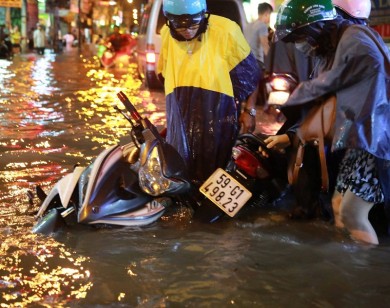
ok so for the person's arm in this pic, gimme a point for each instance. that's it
(264, 43)
(248, 115)
(278, 141)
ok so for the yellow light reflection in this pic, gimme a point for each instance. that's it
(46, 282)
(100, 102)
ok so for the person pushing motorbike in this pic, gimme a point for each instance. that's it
(353, 64)
(293, 61)
(206, 66)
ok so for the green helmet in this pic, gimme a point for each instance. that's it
(294, 14)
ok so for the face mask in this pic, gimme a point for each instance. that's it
(306, 48)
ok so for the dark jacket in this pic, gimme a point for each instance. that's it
(285, 58)
(358, 72)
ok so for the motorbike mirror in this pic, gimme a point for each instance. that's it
(136, 129)
(124, 115)
(144, 123)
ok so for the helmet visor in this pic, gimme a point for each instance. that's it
(184, 21)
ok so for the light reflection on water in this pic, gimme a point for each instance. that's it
(64, 116)
(34, 270)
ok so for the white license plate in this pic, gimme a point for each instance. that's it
(278, 98)
(225, 192)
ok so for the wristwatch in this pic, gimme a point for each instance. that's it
(250, 111)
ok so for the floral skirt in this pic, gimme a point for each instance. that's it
(358, 174)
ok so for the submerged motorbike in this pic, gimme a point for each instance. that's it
(107, 191)
(133, 184)
(250, 178)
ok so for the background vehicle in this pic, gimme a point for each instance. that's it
(149, 38)
(279, 88)
(109, 55)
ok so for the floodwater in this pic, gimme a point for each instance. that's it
(57, 111)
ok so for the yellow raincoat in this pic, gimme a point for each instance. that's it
(204, 78)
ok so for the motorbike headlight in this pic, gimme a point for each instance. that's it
(280, 84)
(283, 82)
(151, 178)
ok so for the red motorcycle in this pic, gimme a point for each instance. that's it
(111, 56)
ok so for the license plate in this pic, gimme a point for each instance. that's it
(225, 192)
(277, 98)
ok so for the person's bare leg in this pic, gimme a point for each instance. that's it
(354, 215)
(336, 203)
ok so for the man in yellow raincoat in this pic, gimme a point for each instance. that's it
(208, 70)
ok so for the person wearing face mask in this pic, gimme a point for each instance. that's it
(296, 62)
(208, 72)
(285, 58)
(353, 64)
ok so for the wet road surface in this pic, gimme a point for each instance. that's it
(58, 111)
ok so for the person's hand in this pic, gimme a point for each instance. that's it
(279, 142)
(248, 123)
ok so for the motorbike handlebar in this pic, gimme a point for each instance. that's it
(144, 123)
(257, 140)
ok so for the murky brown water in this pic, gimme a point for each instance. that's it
(58, 110)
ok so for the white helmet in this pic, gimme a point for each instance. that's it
(355, 8)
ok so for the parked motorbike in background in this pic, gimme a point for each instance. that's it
(110, 57)
(279, 87)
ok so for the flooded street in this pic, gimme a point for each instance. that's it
(58, 111)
